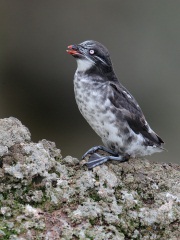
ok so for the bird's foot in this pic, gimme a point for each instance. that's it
(94, 149)
(97, 159)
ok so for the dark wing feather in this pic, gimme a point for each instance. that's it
(132, 113)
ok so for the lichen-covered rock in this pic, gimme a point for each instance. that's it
(43, 196)
(11, 132)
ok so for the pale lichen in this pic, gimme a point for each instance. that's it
(43, 196)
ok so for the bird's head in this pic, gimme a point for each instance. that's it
(91, 54)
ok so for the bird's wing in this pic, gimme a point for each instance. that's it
(130, 111)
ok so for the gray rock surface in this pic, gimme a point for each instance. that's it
(45, 196)
(11, 132)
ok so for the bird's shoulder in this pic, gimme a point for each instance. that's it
(121, 98)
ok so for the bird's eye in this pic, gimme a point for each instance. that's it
(91, 51)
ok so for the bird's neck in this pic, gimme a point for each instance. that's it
(86, 67)
(83, 65)
(100, 73)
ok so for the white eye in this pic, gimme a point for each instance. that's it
(91, 51)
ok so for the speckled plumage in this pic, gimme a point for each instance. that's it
(108, 107)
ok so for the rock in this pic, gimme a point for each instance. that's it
(11, 132)
(43, 196)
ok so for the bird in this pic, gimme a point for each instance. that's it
(109, 108)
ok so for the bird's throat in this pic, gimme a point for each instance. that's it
(83, 65)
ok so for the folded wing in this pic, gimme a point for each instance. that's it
(126, 105)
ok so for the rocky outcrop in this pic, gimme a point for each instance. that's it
(45, 196)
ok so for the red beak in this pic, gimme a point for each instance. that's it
(71, 50)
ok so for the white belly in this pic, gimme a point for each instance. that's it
(92, 106)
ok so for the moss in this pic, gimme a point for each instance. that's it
(93, 221)
(89, 237)
(7, 231)
(95, 196)
(105, 184)
(97, 177)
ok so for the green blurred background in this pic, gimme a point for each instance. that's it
(36, 73)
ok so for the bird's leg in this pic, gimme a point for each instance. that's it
(97, 159)
(94, 149)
